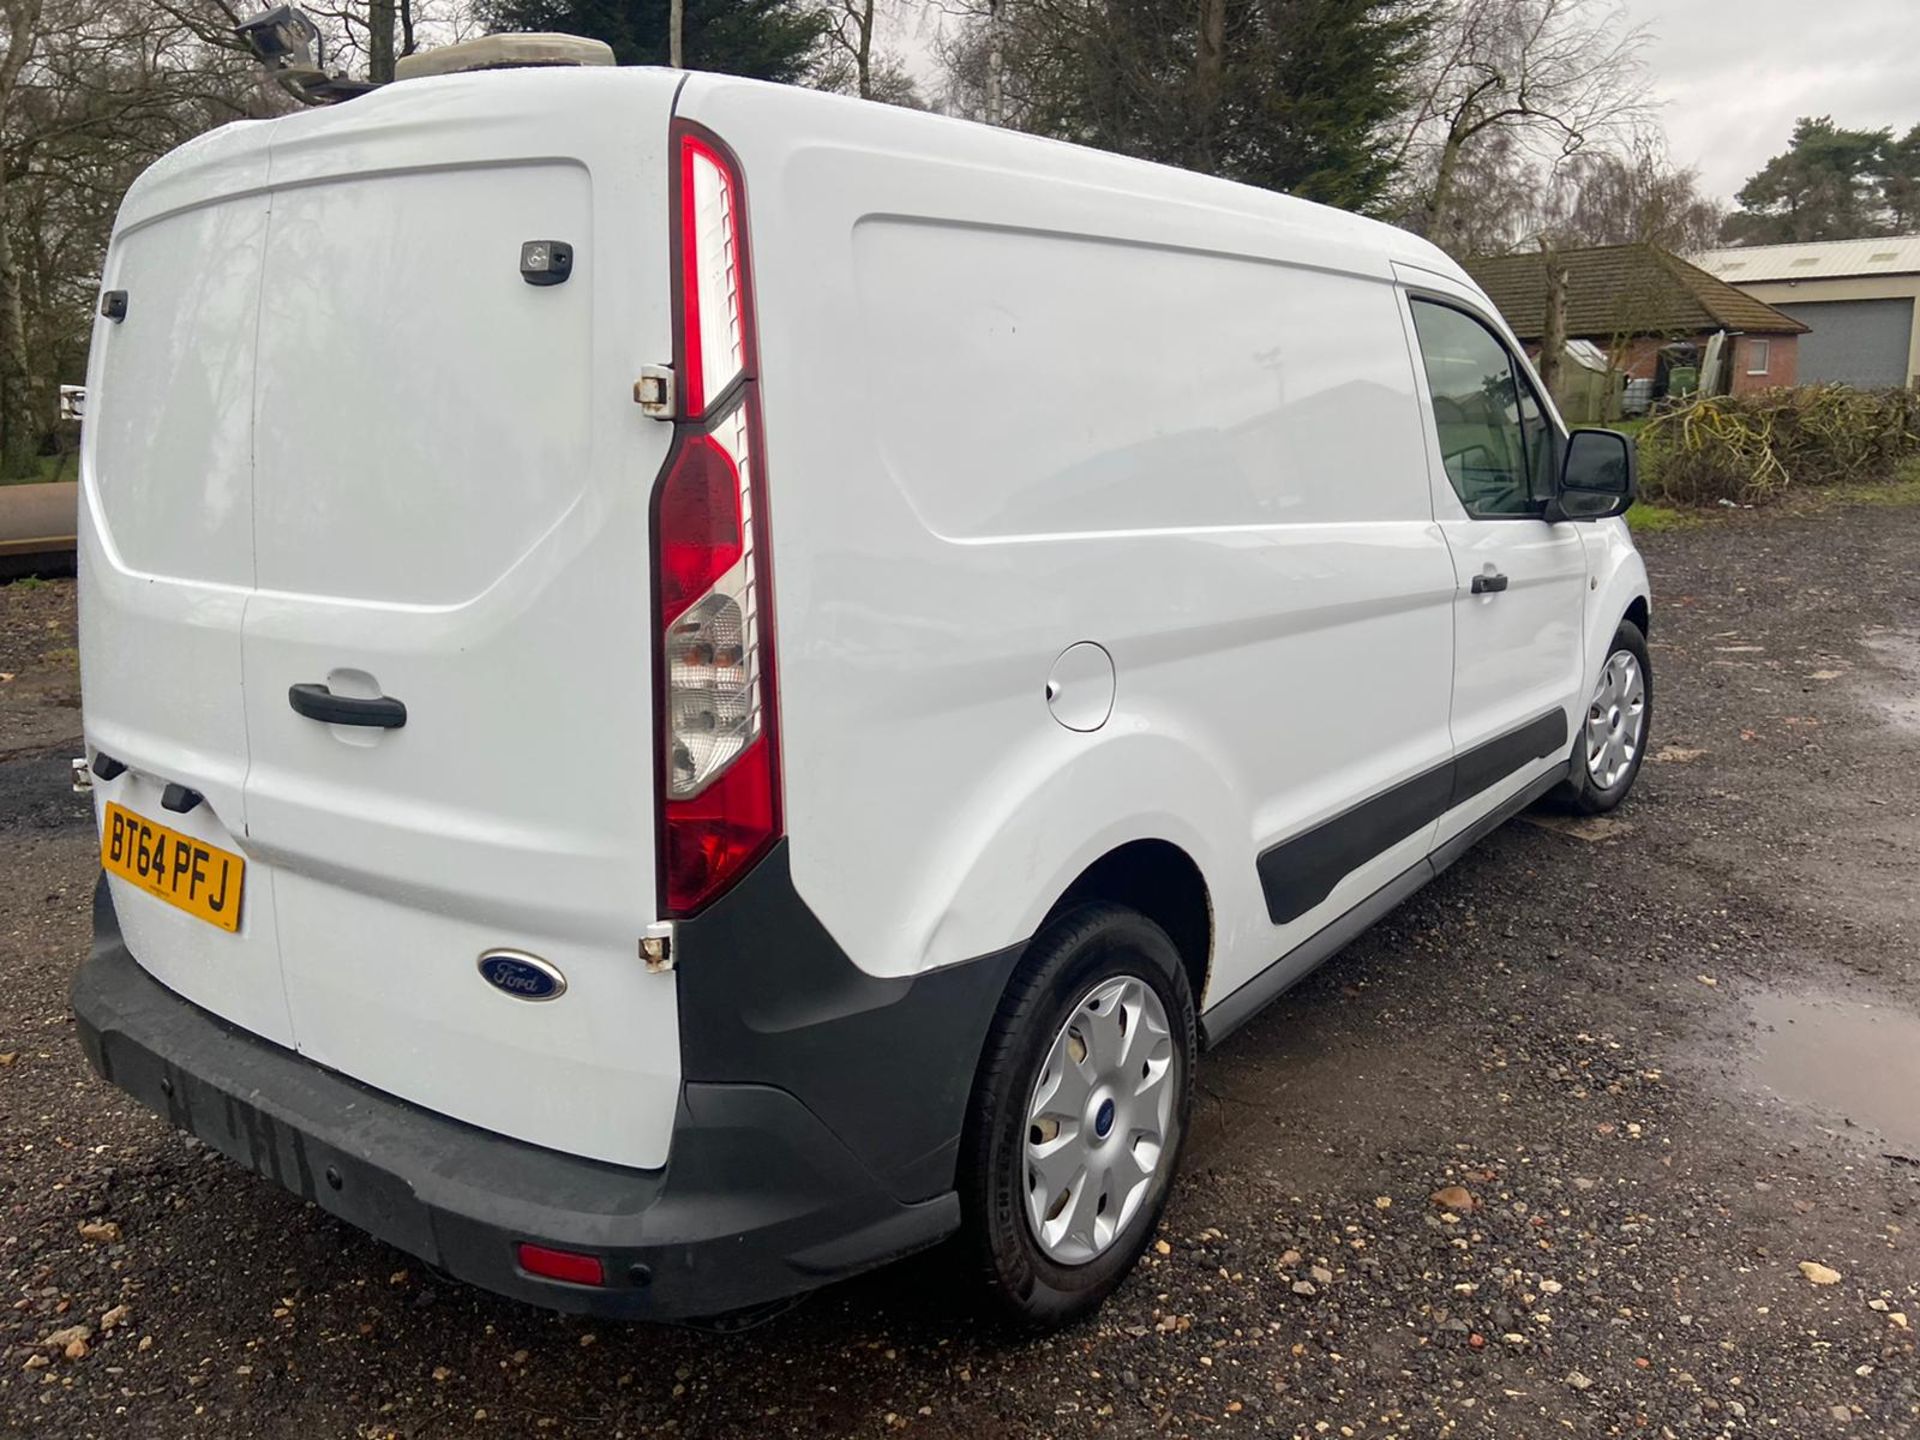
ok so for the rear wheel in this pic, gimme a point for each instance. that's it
(1619, 720)
(1078, 1113)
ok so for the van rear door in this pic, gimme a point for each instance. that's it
(450, 506)
(166, 551)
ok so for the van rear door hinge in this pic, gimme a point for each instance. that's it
(656, 947)
(653, 391)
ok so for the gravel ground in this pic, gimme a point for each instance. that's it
(1526, 1160)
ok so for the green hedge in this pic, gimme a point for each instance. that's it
(1748, 449)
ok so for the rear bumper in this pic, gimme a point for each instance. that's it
(759, 1200)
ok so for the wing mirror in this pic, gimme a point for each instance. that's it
(1599, 476)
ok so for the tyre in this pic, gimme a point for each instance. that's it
(1613, 742)
(1078, 1114)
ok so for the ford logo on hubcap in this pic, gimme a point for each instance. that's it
(523, 976)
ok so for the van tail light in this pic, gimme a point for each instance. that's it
(719, 775)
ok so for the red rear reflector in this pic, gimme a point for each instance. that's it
(569, 1265)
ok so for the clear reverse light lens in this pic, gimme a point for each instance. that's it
(713, 679)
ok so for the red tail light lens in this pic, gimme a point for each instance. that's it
(714, 319)
(700, 538)
(719, 768)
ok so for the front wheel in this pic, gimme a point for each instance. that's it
(1078, 1113)
(1619, 720)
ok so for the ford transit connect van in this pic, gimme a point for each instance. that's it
(693, 686)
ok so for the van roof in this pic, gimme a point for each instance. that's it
(899, 128)
(232, 157)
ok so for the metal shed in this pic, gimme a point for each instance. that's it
(1861, 299)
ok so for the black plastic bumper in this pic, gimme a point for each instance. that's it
(759, 1200)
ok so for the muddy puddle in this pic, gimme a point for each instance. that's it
(1899, 696)
(1844, 1060)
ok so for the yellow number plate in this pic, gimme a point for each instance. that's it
(199, 878)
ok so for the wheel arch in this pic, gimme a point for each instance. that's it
(1619, 590)
(1165, 884)
(1640, 613)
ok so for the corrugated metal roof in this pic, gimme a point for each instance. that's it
(1620, 290)
(1820, 260)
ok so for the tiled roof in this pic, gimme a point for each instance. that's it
(1818, 260)
(1621, 290)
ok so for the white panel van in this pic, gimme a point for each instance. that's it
(694, 686)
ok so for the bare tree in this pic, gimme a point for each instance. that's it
(1608, 198)
(1554, 76)
(855, 62)
(91, 92)
(359, 37)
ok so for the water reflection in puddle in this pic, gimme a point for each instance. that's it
(1853, 1061)
(1899, 652)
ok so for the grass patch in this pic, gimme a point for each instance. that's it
(1904, 491)
(1899, 490)
(1647, 519)
(1902, 488)
(48, 469)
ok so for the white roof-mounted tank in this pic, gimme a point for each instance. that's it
(503, 52)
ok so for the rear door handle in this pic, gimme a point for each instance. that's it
(1491, 583)
(317, 702)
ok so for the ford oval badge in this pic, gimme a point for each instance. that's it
(523, 976)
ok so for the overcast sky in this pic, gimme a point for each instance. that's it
(1733, 75)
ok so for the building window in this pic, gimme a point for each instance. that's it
(1759, 353)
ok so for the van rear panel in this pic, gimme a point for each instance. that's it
(442, 482)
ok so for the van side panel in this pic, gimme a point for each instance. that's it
(1117, 413)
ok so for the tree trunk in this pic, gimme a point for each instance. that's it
(996, 60)
(19, 444)
(676, 34)
(1209, 62)
(1553, 334)
(380, 25)
(863, 58)
(19, 439)
(1439, 207)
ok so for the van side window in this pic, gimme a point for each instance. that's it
(1483, 420)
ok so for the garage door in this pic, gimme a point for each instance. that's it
(1857, 342)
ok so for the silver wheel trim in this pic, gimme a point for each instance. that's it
(1616, 720)
(1112, 1063)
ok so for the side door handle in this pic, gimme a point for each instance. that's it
(1489, 583)
(317, 702)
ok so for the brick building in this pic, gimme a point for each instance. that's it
(1648, 311)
